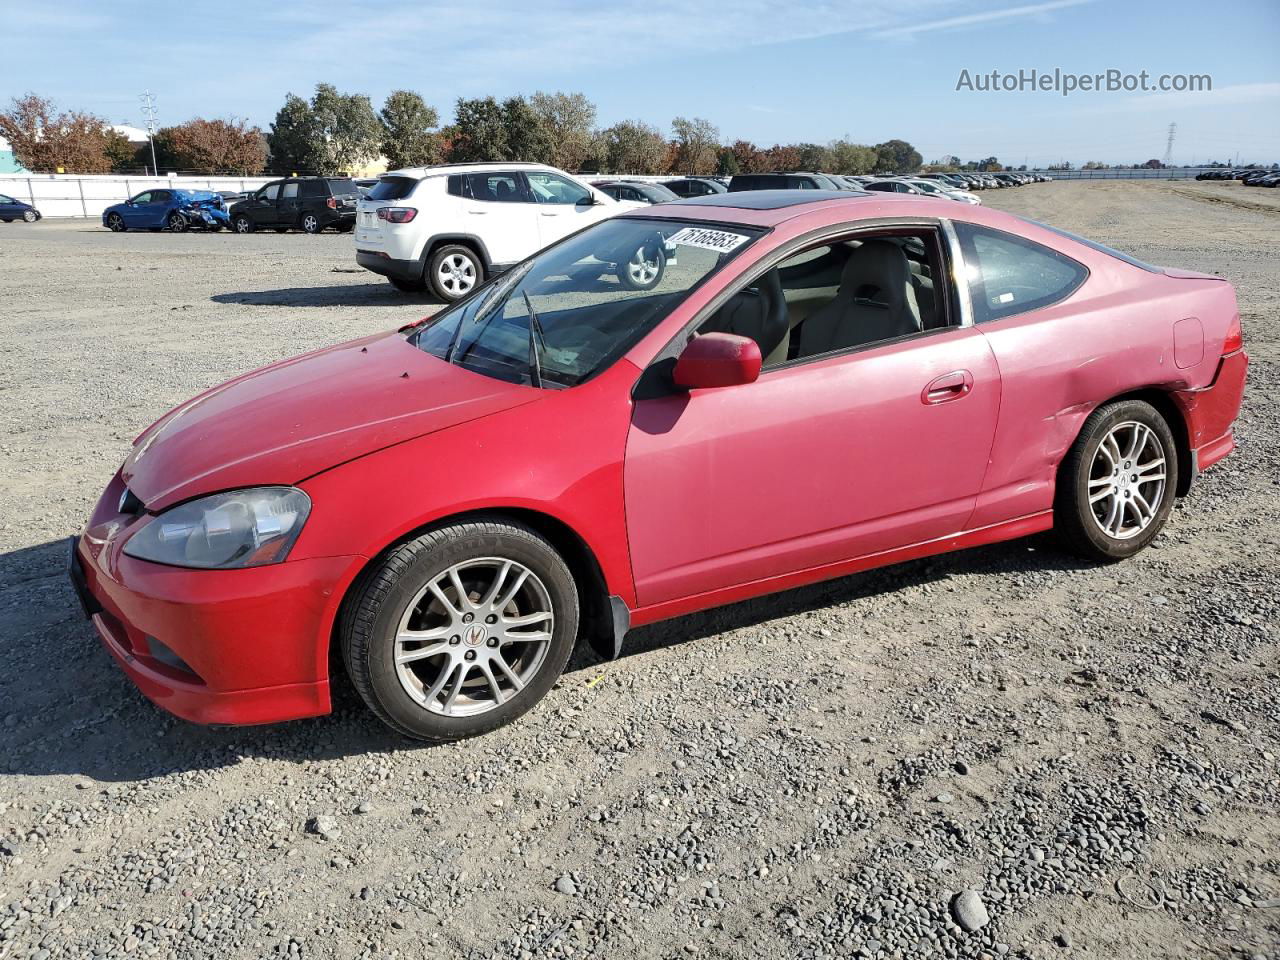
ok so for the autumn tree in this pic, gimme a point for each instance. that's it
(747, 156)
(635, 147)
(780, 158)
(567, 120)
(698, 141)
(212, 146)
(409, 135)
(43, 141)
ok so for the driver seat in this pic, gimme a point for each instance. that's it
(758, 312)
(876, 301)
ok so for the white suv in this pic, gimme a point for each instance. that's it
(450, 227)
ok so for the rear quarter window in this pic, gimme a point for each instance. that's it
(393, 188)
(1009, 275)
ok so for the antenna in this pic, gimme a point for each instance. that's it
(149, 111)
(1168, 149)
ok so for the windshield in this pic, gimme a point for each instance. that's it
(592, 298)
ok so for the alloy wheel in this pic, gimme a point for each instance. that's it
(642, 271)
(456, 274)
(1127, 480)
(310, 224)
(177, 223)
(115, 223)
(474, 636)
(29, 216)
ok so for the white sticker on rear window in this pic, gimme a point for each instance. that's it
(718, 240)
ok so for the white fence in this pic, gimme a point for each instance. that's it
(63, 195)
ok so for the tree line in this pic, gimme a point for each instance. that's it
(332, 132)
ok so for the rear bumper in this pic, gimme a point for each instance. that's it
(407, 270)
(226, 647)
(1211, 411)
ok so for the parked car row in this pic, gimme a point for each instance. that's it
(310, 204)
(1249, 176)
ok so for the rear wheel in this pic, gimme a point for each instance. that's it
(1116, 485)
(461, 630)
(115, 223)
(310, 223)
(242, 224)
(454, 271)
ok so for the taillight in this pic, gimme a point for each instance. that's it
(1235, 337)
(331, 203)
(397, 214)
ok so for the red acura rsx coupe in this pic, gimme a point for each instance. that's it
(808, 384)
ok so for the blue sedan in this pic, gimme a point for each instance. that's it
(174, 210)
(12, 209)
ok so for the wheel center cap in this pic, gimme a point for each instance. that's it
(475, 635)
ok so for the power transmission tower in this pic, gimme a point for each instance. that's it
(1168, 150)
(149, 111)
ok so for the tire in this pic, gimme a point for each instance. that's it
(30, 216)
(408, 286)
(176, 223)
(310, 223)
(639, 273)
(454, 271)
(115, 223)
(395, 595)
(1126, 514)
(242, 224)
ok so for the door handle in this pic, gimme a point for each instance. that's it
(551, 214)
(949, 386)
(477, 213)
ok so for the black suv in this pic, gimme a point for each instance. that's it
(781, 181)
(308, 203)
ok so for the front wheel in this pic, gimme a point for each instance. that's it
(1116, 485)
(461, 630)
(176, 223)
(115, 223)
(30, 216)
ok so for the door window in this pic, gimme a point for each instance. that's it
(842, 295)
(549, 188)
(1009, 275)
(161, 196)
(290, 191)
(141, 198)
(495, 187)
(269, 192)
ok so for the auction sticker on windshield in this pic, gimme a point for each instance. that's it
(719, 240)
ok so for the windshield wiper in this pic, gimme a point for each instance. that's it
(484, 307)
(535, 335)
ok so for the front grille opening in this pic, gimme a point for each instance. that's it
(165, 657)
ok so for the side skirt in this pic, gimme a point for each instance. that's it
(1005, 530)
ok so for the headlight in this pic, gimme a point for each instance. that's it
(241, 528)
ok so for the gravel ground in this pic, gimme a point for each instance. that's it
(1001, 752)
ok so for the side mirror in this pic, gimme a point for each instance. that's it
(588, 201)
(717, 360)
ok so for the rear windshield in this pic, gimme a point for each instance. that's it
(1094, 245)
(392, 188)
(341, 188)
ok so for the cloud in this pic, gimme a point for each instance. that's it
(969, 19)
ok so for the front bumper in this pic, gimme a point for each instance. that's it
(212, 646)
(408, 270)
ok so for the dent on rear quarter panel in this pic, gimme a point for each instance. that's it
(1058, 364)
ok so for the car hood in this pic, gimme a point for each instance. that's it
(299, 417)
